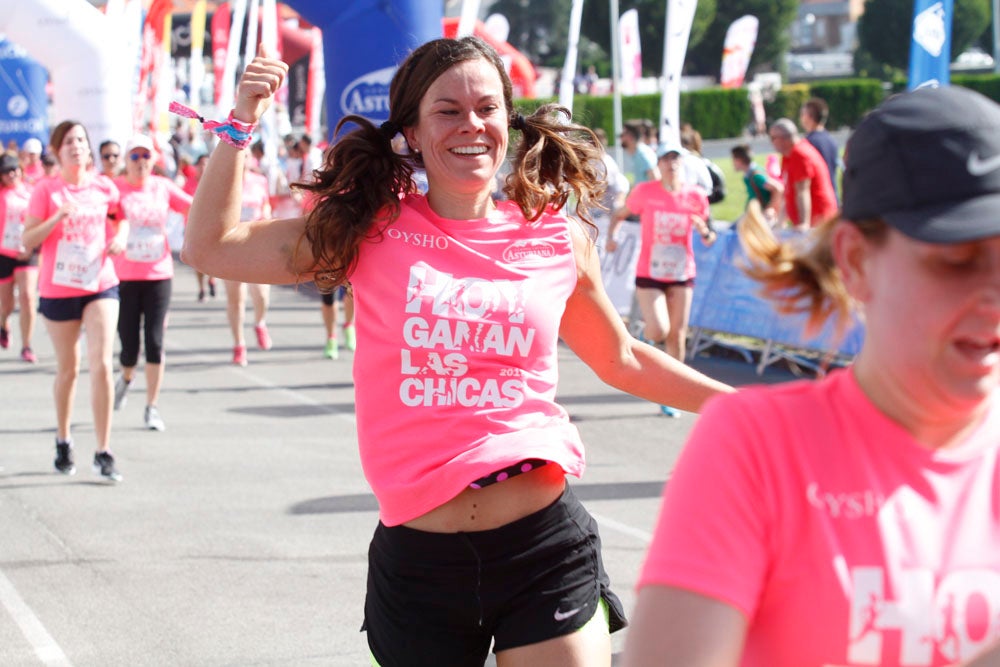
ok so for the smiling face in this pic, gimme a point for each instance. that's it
(461, 130)
(932, 317)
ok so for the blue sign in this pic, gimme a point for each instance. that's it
(930, 45)
(363, 42)
(23, 102)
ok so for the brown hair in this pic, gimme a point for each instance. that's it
(817, 109)
(61, 130)
(360, 183)
(801, 277)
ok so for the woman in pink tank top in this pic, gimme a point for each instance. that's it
(854, 521)
(460, 304)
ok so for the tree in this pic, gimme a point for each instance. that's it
(773, 38)
(884, 32)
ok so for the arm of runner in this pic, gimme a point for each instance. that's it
(803, 200)
(595, 332)
(693, 629)
(617, 217)
(37, 230)
(215, 241)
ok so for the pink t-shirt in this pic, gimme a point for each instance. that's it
(458, 325)
(666, 253)
(13, 205)
(255, 196)
(147, 252)
(74, 256)
(843, 540)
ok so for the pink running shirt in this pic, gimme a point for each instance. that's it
(455, 369)
(844, 541)
(147, 253)
(256, 197)
(13, 205)
(74, 256)
(666, 253)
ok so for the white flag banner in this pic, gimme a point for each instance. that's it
(569, 67)
(680, 16)
(741, 38)
(631, 51)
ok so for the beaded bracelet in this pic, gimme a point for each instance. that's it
(234, 132)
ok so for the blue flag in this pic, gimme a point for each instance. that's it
(930, 46)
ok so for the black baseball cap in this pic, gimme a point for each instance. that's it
(8, 162)
(928, 163)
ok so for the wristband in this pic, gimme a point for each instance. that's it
(234, 132)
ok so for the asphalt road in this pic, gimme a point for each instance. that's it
(239, 535)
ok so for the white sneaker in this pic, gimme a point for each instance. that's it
(121, 389)
(154, 422)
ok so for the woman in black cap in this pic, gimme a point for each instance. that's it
(856, 520)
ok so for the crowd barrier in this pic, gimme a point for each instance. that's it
(727, 305)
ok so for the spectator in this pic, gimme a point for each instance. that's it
(32, 169)
(640, 159)
(813, 117)
(759, 185)
(809, 198)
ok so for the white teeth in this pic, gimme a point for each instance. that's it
(469, 150)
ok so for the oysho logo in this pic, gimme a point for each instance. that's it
(525, 251)
(368, 95)
(928, 29)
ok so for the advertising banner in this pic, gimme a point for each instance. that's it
(741, 38)
(363, 42)
(23, 104)
(930, 45)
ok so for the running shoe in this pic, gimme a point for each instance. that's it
(121, 389)
(263, 337)
(28, 355)
(201, 296)
(64, 457)
(331, 350)
(4, 338)
(211, 288)
(240, 355)
(668, 411)
(153, 420)
(350, 337)
(104, 465)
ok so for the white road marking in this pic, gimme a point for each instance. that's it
(45, 646)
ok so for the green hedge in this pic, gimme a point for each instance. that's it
(719, 113)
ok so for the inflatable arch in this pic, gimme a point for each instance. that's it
(90, 73)
(363, 42)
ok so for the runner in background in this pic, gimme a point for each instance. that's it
(18, 265)
(75, 218)
(192, 174)
(146, 271)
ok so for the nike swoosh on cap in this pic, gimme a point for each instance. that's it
(977, 166)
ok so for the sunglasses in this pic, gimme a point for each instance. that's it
(109, 156)
(136, 156)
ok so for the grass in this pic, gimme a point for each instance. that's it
(732, 206)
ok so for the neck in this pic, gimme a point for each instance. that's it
(73, 175)
(461, 206)
(932, 422)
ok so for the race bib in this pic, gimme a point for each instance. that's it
(145, 244)
(248, 213)
(78, 265)
(12, 233)
(667, 263)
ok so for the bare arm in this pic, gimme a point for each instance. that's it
(595, 332)
(803, 200)
(677, 627)
(37, 230)
(215, 241)
(617, 217)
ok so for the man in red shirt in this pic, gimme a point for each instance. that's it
(809, 196)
